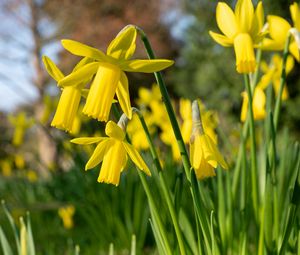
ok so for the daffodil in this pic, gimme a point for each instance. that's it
(68, 104)
(31, 176)
(204, 153)
(112, 151)
(272, 74)
(258, 105)
(279, 29)
(6, 167)
(66, 213)
(19, 161)
(242, 29)
(21, 123)
(109, 70)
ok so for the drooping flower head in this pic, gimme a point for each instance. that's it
(69, 101)
(204, 153)
(110, 78)
(113, 152)
(241, 29)
(279, 30)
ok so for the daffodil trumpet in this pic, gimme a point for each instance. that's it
(204, 153)
(242, 29)
(113, 152)
(68, 104)
(109, 70)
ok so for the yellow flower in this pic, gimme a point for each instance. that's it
(19, 161)
(272, 74)
(113, 151)
(31, 176)
(204, 153)
(66, 213)
(110, 78)
(68, 103)
(21, 123)
(258, 105)
(6, 167)
(242, 29)
(279, 29)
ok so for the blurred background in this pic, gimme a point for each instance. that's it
(43, 173)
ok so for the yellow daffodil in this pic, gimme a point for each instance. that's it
(6, 167)
(113, 151)
(279, 29)
(21, 123)
(272, 74)
(31, 176)
(68, 104)
(19, 161)
(109, 70)
(66, 213)
(204, 153)
(242, 29)
(258, 105)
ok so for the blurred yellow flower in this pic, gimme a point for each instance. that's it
(279, 29)
(66, 213)
(204, 153)
(6, 167)
(108, 69)
(272, 74)
(19, 161)
(68, 103)
(242, 29)
(21, 123)
(258, 105)
(31, 176)
(113, 151)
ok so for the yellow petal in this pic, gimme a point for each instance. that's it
(221, 39)
(244, 13)
(136, 158)
(295, 13)
(102, 92)
(145, 66)
(270, 44)
(84, 61)
(123, 95)
(87, 140)
(52, 69)
(83, 50)
(196, 153)
(289, 64)
(258, 21)
(226, 20)
(98, 153)
(114, 162)
(79, 75)
(294, 50)
(123, 46)
(278, 29)
(244, 53)
(113, 130)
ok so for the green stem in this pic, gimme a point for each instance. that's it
(165, 190)
(282, 82)
(253, 148)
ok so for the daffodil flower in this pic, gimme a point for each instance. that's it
(21, 123)
(258, 106)
(204, 153)
(279, 29)
(69, 101)
(272, 74)
(112, 151)
(66, 213)
(242, 29)
(109, 70)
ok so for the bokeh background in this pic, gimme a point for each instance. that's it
(50, 168)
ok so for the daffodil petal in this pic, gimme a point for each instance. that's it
(226, 20)
(82, 74)
(145, 66)
(113, 130)
(294, 50)
(123, 46)
(84, 61)
(80, 49)
(87, 140)
(221, 39)
(123, 95)
(52, 69)
(258, 20)
(136, 158)
(278, 29)
(98, 154)
(196, 153)
(244, 13)
(295, 13)
(270, 44)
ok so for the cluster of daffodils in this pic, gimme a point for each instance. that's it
(101, 80)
